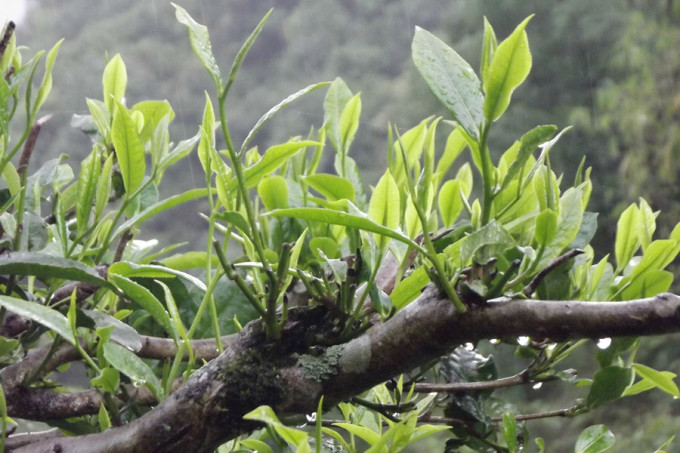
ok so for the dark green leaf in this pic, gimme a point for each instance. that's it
(145, 299)
(130, 365)
(609, 384)
(451, 79)
(594, 439)
(45, 316)
(200, 43)
(510, 431)
(527, 145)
(122, 333)
(47, 266)
(486, 243)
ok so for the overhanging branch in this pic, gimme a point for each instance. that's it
(209, 407)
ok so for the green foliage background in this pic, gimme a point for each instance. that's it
(609, 68)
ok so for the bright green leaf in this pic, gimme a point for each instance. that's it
(159, 207)
(384, 205)
(545, 227)
(266, 415)
(129, 149)
(337, 97)
(46, 84)
(272, 159)
(660, 379)
(333, 217)
(510, 66)
(128, 269)
(626, 238)
(349, 121)
(489, 45)
(114, 82)
(153, 112)
(273, 192)
(107, 380)
(103, 188)
(87, 185)
(366, 434)
(122, 333)
(409, 288)
(450, 202)
(256, 445)
(332, 187)
(277, 108)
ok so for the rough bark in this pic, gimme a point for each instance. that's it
(287, 375)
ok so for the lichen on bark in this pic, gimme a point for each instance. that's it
(323, 366)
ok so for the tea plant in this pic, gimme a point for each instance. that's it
(355, 298)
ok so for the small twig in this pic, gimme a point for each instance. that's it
(538, 278)
(124, 239)
(10, 73)
(22, 439)
(427, 418)
(385, 410)
(518, 379)
(569, 412)
(83, 289)
(7, 35)
(29, 145)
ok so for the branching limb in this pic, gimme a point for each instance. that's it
(208, 408)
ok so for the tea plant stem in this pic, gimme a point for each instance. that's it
(235, 159)
(487, 174)
(429, 247)
(270, 316)
(233, 275)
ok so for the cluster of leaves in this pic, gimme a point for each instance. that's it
(311, 233)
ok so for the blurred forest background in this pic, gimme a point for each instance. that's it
(610, 68)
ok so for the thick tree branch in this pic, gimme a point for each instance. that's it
(208, 409)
